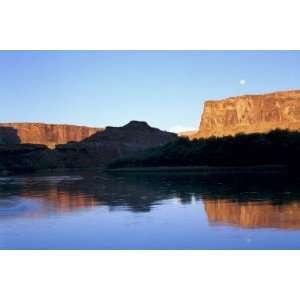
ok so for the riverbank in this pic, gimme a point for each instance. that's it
(206, 169)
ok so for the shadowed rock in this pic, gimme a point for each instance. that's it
(135, 132)
(112, 143)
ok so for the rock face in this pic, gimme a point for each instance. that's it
(250, 114)
(114, 142)
(46, 134)
(187, 134)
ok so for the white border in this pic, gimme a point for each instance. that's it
(153, 25)
(149, 275)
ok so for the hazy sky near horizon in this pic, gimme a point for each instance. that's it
(165, 88)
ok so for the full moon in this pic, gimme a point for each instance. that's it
(242, 82)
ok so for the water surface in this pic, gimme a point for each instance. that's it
(149, 211)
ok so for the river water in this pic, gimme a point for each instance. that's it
(87, 210)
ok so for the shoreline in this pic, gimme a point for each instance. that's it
(206, 169)
(197, 169)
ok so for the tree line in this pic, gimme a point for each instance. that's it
(278, 147)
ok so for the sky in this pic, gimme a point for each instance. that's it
(167, 89)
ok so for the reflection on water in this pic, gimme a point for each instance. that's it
(176, 206)
(37, 196)
(254, 215)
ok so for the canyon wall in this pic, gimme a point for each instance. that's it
(250, 114)
(46, 134)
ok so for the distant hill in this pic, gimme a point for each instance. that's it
(136, 133)
(112, 143)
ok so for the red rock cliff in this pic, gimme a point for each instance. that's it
(250, 113)
(47, 134)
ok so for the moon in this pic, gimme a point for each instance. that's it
(242, 82)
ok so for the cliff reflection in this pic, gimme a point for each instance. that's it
(253, 215)
(257, 202)
(246, 201)
(61, 200)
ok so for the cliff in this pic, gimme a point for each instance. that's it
(187, 134)
(250, 114)
(46, 134)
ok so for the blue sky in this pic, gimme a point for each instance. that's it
(165, 88)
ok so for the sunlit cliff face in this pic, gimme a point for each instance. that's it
(250, 114)
(47, 134)
(256, 214)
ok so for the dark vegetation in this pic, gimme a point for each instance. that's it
(26, 158)
(9, 136)
(278, 147)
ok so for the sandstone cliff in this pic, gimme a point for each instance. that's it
(46, 134)
(250, 114)
(187, 134)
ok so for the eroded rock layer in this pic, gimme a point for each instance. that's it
(46, 134)
(250, 114)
